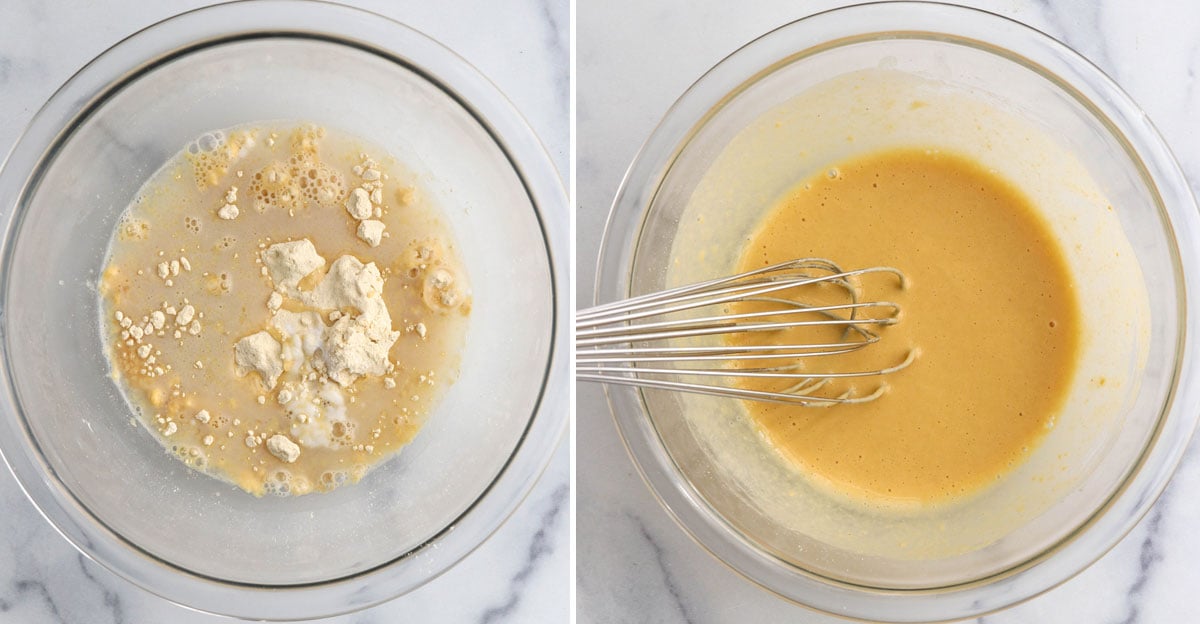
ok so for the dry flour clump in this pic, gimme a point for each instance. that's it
(321, 360)
(359, 204)
(288, 263)
(230, 210)
(259, 353)
(366, 202)
(356, 344)
(371, 231)
(283, 448)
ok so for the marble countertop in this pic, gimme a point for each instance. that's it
(522, 574)
(634, 59)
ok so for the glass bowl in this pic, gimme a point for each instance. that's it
(862, 78)
(110, 488)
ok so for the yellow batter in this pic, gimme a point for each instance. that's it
(990, 307)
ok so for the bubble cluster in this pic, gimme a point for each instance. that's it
(342, 432)
(305, 139)
(278, 483)
(283, 483)
(288, 185)
(207, 143)
(331, 479)
(318, 183)
(301, 178)
(274, 186)
(190, 455)
(132, 228)
(192, 224)
(211, 154)
(218, 283)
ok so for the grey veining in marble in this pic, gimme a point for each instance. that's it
(634, 59)
(522, 573)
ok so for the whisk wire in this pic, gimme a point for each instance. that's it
(708, 293)
(642, 324)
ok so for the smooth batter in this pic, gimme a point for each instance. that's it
(990, 308)
(197, 320)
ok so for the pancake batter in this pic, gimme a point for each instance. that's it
(990, 308)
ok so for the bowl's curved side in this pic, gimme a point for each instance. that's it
(511, 135)
(722, 84)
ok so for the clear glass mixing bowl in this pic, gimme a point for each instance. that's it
(64, 427)
(765, 118)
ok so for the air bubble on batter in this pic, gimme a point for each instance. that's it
(331, 479)
(342, 432)
(190, 455)
(211, 154)
(274, 186)
(320, 184)
(218, 283)
(278, 483)
(131, 228)
(208, 142)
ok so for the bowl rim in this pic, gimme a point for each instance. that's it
(203, 28)
(1075, 75)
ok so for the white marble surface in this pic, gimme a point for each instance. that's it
(634, 59)
(522, 573)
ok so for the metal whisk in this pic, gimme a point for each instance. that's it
(644, 341)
